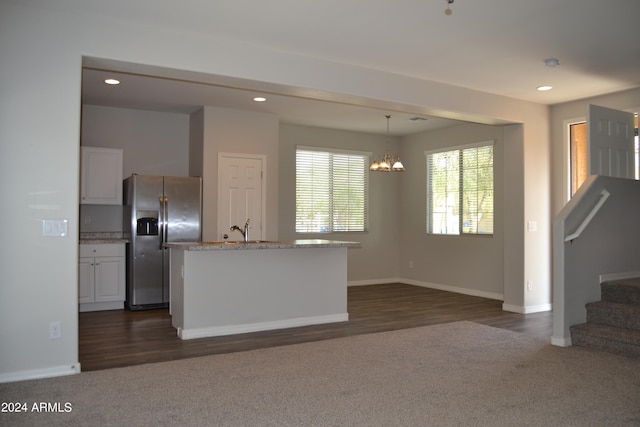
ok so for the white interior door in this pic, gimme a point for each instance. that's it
(610, 142)
(240, 195)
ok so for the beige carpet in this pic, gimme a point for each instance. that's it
(457, 374)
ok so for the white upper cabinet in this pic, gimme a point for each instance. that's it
(101, 176)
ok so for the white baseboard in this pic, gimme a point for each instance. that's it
(438, 286)
(464, 291)
(619, 276)
(375, 281)
(35, 374)
(216, 331)
(458, 290)
(526, 309)
(561, 342)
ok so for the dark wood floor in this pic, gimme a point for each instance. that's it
(110, 339)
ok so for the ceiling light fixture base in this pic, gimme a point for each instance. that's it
(448, 10)
(552, 62)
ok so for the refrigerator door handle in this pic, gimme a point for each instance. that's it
(166, 218)
(162, 222)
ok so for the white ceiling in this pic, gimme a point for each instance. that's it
(495, 46)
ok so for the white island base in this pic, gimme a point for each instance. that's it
(223, 290)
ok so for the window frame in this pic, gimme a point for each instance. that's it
(331, 221)
(461, 190)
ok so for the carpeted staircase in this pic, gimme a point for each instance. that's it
(613, 324)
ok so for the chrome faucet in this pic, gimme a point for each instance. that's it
(245, 232)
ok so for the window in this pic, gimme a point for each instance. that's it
(332, 189)
(460, 190)
(578, 155)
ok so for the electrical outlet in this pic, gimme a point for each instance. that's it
(55, 331)
(529, 285)
(411, 264)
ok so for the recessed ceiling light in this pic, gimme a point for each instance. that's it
(543, 88)
(552, 62)
(259, 99)
(112, 82)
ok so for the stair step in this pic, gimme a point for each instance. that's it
(614, 314)
(625, 291)
(606, 338)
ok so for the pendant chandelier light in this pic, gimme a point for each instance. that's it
(389, 162)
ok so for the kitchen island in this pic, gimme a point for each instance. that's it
(225, 288)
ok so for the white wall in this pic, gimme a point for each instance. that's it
(228, 130)
(196, 142)
(376, 260)
(468, 264)
(39, 178)
(154, 143)
(40, 134)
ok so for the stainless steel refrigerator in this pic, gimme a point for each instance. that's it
(157, 209)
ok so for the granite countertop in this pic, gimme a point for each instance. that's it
(102, 237)
(261, 244)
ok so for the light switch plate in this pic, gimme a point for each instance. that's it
(55, 227)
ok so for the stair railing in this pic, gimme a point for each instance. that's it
(604, 195)
(608, 231)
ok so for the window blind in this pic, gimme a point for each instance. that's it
(331, 191)
(460, 190)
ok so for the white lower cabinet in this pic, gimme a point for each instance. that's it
(101, 276)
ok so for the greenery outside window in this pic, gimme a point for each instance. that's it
(332, 189)
(460, 190)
